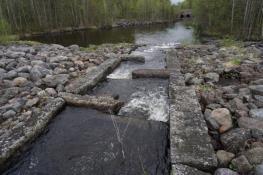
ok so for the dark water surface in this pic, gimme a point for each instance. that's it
(84, 141)
(153, 34)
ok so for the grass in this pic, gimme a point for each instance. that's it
(205, 88)
(228, 42)
(236, 61)
(5, 39)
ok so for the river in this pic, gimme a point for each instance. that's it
(84, 141)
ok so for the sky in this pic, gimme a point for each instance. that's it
(176, 1)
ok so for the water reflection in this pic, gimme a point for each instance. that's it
(155, 34)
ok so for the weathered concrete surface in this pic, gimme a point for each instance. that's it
(14, 144)
(150, 73)
(102, 103)
(91, 78)
(179, 169)
(189, 140)
(133, 58)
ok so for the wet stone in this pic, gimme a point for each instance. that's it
(97, 143)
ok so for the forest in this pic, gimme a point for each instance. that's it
(26, 16)
(242, 19)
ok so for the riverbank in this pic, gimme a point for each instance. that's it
(228, 80)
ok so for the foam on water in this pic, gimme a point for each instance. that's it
(153, 105)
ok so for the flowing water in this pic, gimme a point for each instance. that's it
(84, 141)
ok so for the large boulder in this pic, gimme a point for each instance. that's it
(235, 139)
(223, 117)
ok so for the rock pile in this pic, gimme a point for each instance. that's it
(229, 82)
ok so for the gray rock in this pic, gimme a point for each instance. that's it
(74, 47)
(211, 77)
(258, 100)
(57, 59)
(11, 74)
(2, 71)
(179, 169)
(256, 89)
(255, 155)
(234, 140)
(250, 123)
(259, 169)
(224, 158)
(38, 72)
(13, 54)
(54, 80)
(225, 171)
(24, 69)
(52, 92)
(188, 77)
(9, 114)
(241, 164)
(7, 94)
(256, 113)
(223, 117)
(32, 102)
(213, 106)
(42, 94)
(257, 82)
(257, 134)
(211, 123)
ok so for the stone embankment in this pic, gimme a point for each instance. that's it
(229, 85)
(34, 80)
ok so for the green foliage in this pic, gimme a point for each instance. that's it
(7, 38)
(26, 16)
(236, 61)
(239, 18)
(205, 88)
(228, 42)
